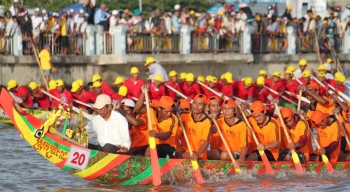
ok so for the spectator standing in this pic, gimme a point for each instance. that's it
(288, 14)
(63, 34)
(45, 62)
(14, 8)
(101, 17)
(175, 22)
(78, 20)
(8, 17)
(167, 21)
(36, 21)
(24, 21)
(43, 25)
(89, 7)
(114, 20)
(11, 27)
(70, 22)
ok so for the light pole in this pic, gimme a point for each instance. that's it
(140, 5)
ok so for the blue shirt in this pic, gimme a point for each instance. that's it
(345, 72)
(176, 24)
(100, 16)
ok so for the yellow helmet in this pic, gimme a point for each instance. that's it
(134, 70)
(262, 72)
(96, 84)
(80, 81)
(11, 84)
(207, 78)
(52, 84)
(118, 80)
(248, 81)
(228, 77)
(75, 86)
(123, 90)
(59, 82)
(190, 77)
(329, 60)
(291, 68)
(150, 60)
(338, 74)
(260, 80)
(183, 75)
(278, 74)
(95, 77)
(288, 71)
(321, 74)
(172, 73)
(200, 78)
(33, 85)
(158, 78)
(302, 62)
(213, 79)
(321, 67)
(306, 73)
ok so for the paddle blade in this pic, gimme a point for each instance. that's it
(238, 170)
(266, 162)
(328, 164)
(154, 162)
(298, 166)
(197, 172)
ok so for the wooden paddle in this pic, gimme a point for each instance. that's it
(238, 170)
(299, 99)
(38, 61)
(297, 96)
(295, 157)
(82, 103)
(75, 109)
(343, 130)
(325, 160)
(152, 146)
(262, 153)
(275, 92)
(176, 91)
(197, 171)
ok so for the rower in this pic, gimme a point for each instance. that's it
(119, 82)
(328, 136)
(40, 98)
(62, 94)
(244, 89)
(80, 94)
(291, 85)
(90, 87)
(156, 88)
(137, 127)
(110, 126)
(197, 126)
(219, 83)
(263, 95)
(106, 89)
(234, 131)
(134, 83)
(211, 83)
(123, 93)
(277, 84)
(164, 122)
(81, 82)
(227, 85)
(172, 82)
(323, 69)
(182, 79)
(298, 129)
(190, 88)
(153, 69)
(52, 85)
(322, 78)
(20, 92)
(267, 129)
(302, 67)
(306, 77)
(338, 82)
(263, 73)
(317, 102)
(213, 110)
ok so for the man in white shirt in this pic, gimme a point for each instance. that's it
(113, 21)
(11, 27)
(110, 126)
(36, 21)
(153, 69)
(78, 20)
(167, 21)
(299, 72)
(14, 8)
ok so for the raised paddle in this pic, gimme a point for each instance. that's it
(262, 153)
(152, 146)
(238, 170)
(329, 91)
(343, 130)
(295, 157)
(197, 171)
(299, 99)
(297, 96)
(82, 103)
(325, 160)
(275, 92)
(75, 109)
(176, 91)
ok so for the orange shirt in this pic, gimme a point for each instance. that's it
(342, 119)
(236, 135)
(138, 135)
(197, 132)
(268, 133)
(215, 139)
(326, 136)
(167, 125)
(323, 108)
(300, 129)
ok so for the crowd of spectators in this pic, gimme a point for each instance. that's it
(225, 27)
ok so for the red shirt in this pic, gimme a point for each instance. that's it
(116, 97)
(227, 90)
(208, 93)
(85, 97)
(156, 93)
(21, 91)
(191, 91)
(268, 82)
(171, 93)
(291, 87)
(134, 88)
(67, 94)
(278, 87)
(240, 91)
(43, 102)
(106, 89)
(341, 88)
(219, 85)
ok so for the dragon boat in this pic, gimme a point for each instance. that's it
(40, 114)
(116, 169)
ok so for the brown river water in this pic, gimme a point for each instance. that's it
(23, 169)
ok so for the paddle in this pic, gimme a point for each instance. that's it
(299, 99)
(262, 153)
(82, 103)
(295, 157)
(275, 92)
(176, 91)
(343, 130)
(152, 145)
(298, 96)
(75, 109)
(197, 171)
(238, 170)
(325, 160)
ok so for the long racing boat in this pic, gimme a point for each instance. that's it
(116, 169)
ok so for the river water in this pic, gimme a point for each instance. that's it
(23, 169)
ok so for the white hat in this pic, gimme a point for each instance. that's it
(71, 10)
(86, 14)
(55, 14)
(81, 11)
(177, 7)
(37, 9)
(101, 101)
(115, 12)
(15, 1)
(43, 11)
(128, 102)
(46, 18)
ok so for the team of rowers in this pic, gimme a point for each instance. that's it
(254, 99)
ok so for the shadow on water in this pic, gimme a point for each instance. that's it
(23, 169)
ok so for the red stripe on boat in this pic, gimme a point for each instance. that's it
(120, 159)
(61, 164)
(163, 170)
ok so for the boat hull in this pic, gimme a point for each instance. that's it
(114, 169)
